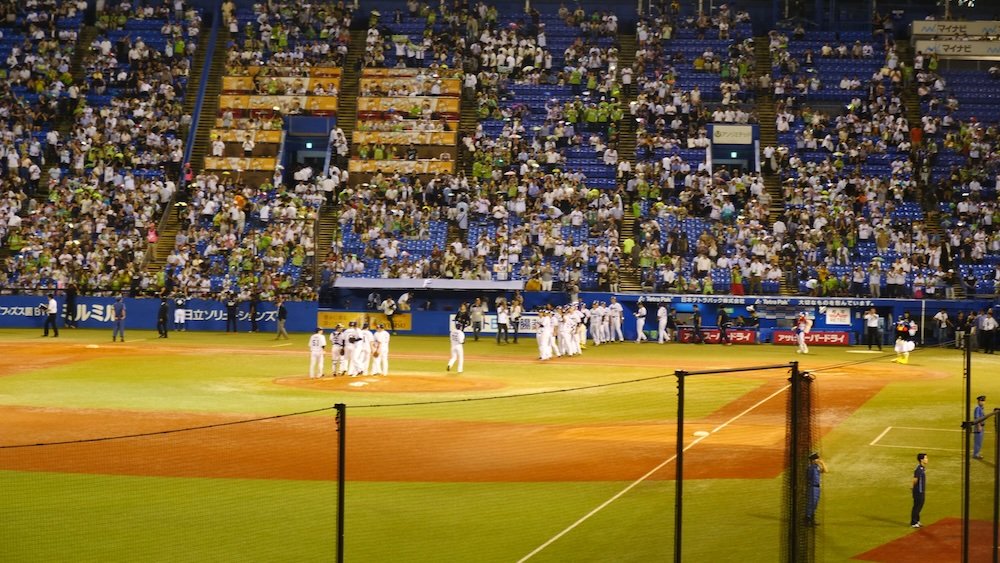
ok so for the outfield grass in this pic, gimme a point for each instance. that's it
(119, 518)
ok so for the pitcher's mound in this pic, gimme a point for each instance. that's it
(401, 383)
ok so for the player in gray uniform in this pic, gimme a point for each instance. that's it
(337, 350)
(597, 323)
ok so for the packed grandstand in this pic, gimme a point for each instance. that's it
(147, 148)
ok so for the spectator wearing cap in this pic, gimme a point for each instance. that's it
(977, 429)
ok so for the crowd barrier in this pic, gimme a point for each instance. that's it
(240, 135)
(246, 83)
(286, 104)
(836, 320)
(449, 86)
(404, 104)
(434, 138)
(237, 164)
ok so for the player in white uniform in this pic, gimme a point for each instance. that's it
(317, 347)
(380, 351)
(457, 339)
(583, 314)
(362, 353)
(567, 333)
(351, 337)
(617, 314)
(337, 350)
(661, 324)
(802, 326)
(640, 323)
(543, 336)
(556, 321)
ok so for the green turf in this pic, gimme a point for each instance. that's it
(104, 518)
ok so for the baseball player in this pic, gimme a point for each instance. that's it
(567, 332)
(596, 322)
(457, 339)
(543, 336)
(351, 337)
(380, 351)
(317, 347)
(555, 328)
(617, 314)
(802, 326)
(339, 363)
(360, 363)
(905, 329)
(180, 311)
(640, 323)
(583, 319)
(661, 324)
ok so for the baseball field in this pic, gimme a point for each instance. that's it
(215, 447)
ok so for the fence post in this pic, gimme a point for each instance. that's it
(794, 521)
(966, 449)
(679, 477)
(341, 421)
(996, 485)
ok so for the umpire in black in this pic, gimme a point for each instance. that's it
(231, 304)
(162, 314)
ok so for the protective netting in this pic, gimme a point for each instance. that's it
(230, 491)
(544, 476)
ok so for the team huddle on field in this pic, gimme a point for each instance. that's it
(353, 351)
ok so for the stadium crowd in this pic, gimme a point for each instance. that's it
(553, 97)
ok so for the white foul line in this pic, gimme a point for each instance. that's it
(647, 476)
(879, 437)
(919, 448)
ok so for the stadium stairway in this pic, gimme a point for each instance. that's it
(326, 228)
(197, 65)
(627, 132)
(210, 103)
(467, 126)
(170, 222)
(347, 102)
(769, 137)
(628, 275)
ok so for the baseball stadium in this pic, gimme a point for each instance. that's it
(499, 281)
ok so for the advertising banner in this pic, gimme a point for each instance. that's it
(528, 324)
(329, 319)
(240, 135)
(827, 338)
(434, 138)
(961, 49)
(246, 83)
(955, 28)
(403, 104)
(235, 163)
(200, 314)
(449, 86)
(838, 315)
(732, 134)
(711, 335)
(402, 166)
